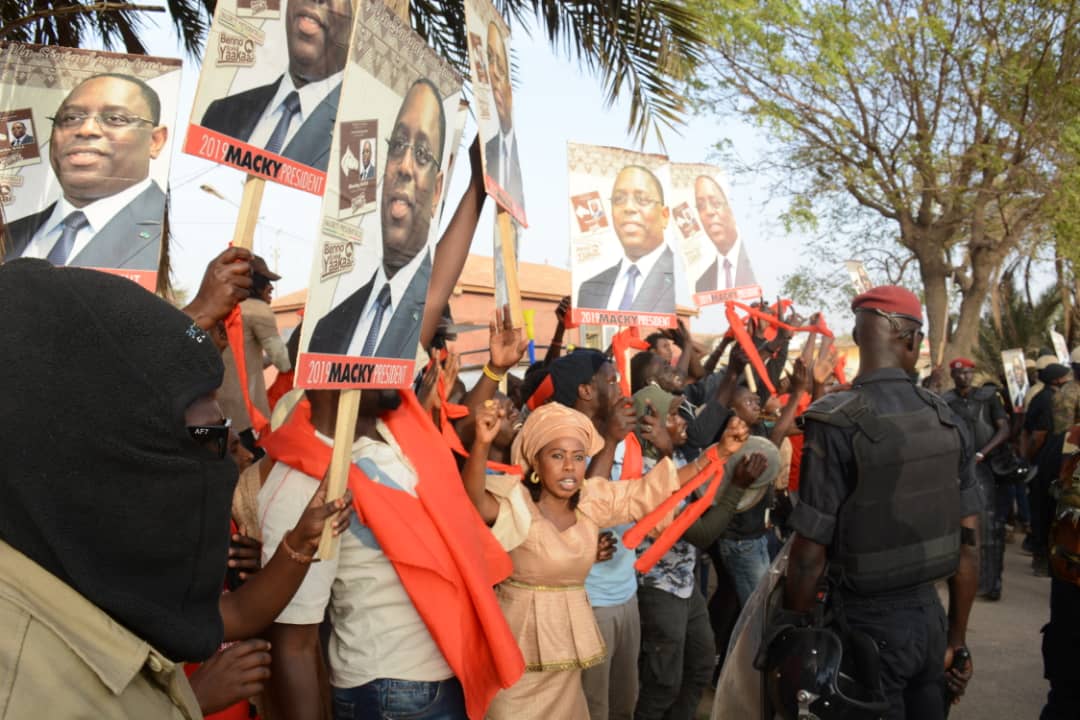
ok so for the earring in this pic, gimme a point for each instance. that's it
(534, 478)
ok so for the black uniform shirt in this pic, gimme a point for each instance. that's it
(1040, 412)
(827, 475)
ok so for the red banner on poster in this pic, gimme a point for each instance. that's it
(256, 161)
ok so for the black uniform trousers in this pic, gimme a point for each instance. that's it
(911, 632)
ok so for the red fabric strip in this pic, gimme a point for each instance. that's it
(446, 557)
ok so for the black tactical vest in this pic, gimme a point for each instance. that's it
(901, 526)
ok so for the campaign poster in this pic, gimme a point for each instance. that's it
(1015, 375)
(493, 97)
(622, 260)
(372, 265)
(269, 92)
(1060, 348)
(717, 260)
(860, 279)
(84, 157)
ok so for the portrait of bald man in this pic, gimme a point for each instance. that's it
(644, 278)
(730, 267)
(382, 318)
(501, 151)
(18, 134)
(294, 115)
(109, 214)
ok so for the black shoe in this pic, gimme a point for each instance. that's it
(1040, 566)
(993, 595)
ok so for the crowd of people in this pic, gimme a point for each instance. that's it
(538, 545)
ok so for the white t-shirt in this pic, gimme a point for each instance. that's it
(377, 632)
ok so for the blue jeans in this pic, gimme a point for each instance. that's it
(746, 561)
(389, 699)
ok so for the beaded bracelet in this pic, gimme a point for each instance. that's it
(295, 556)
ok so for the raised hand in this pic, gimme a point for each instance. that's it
(506, 344)
(654, 429)
(749, 469)
(226, 282)
(800, 378)
(488, 417)
(427, 395)
(823, 367)
(562, 309)
(621, 420)
(735, 434)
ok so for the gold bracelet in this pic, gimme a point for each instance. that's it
(490, 374)
(295, 556)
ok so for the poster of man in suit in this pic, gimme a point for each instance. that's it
(1012, 362)
(92, 185)
(270, 86)
(493, 96)
(622, 257)
(371, 270)
(717, 260)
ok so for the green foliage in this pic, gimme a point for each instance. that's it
(642, 49)
(1023, 325)
(941, 118)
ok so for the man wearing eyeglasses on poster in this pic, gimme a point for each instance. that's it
(644, 279)
(730, 267)
(382, 318)
(109, 215)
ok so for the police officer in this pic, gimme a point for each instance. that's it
(988, 425)
(889, 506)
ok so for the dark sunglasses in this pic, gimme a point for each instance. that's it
(213, 437)
(894, 319)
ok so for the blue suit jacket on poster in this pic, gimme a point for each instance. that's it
(335, 330)
(657, 293)
(131, 240)
(237, 115)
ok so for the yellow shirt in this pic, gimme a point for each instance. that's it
(62, 657)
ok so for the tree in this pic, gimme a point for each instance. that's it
(935, 123)
(1018, 322)
(644, 49)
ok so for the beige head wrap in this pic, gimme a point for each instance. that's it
(551, 422)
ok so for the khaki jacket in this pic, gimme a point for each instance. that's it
(61, 657)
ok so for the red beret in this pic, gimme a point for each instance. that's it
(961, 362)
(890, 299)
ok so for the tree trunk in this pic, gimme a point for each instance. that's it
(934, 274)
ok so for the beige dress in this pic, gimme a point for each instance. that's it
(544, 600)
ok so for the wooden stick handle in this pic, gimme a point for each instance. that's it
(244, 234)
(507, 236)
(340, 462)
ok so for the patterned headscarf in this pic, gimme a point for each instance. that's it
(550, 422)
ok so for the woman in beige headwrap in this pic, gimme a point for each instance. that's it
(549, 518)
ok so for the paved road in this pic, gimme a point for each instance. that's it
(1006, 647)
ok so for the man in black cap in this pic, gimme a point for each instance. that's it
(114, 523)
(887, 500)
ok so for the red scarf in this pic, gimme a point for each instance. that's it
(633, 466)
(446, 557)
(742, 335)
(671, 534)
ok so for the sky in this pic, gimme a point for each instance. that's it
(555, 102)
